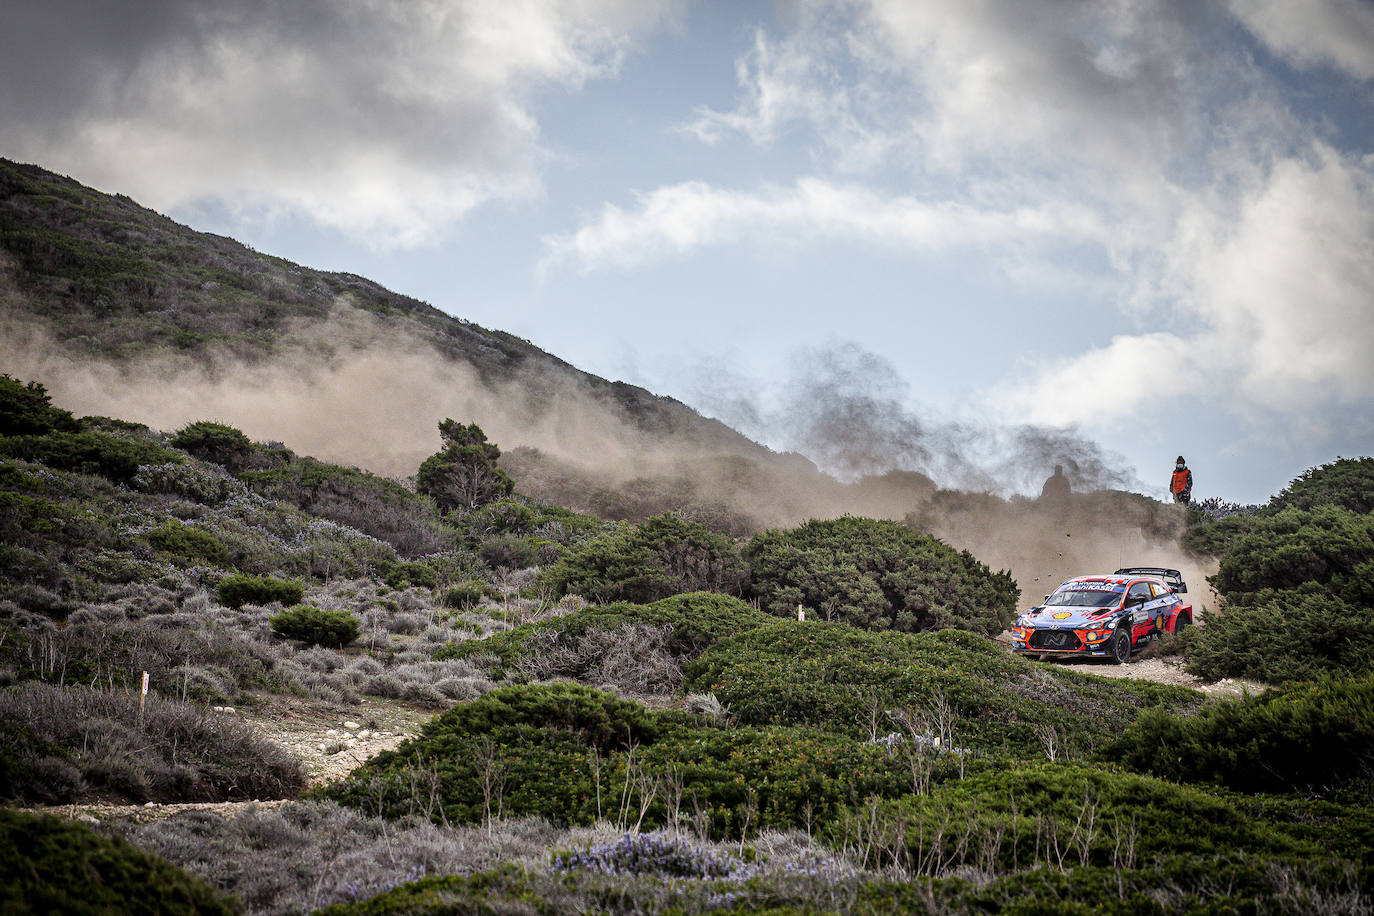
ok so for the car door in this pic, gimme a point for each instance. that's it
(1138, 599)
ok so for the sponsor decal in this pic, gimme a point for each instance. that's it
(1063, 615)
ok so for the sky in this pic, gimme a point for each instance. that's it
(1143, 224)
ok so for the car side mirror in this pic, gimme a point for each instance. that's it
(1182, 588)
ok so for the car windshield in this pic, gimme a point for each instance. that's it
(1085, 596)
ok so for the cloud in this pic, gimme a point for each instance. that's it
(678, 219)
(386, 120)
(1338, 33)
(1278, 296)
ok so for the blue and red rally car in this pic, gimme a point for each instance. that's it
(1105, 616)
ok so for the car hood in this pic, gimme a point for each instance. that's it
(1076, 618)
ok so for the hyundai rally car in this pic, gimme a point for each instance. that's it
(1105, 616)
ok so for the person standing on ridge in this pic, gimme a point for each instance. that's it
(1182, 484)
(1057, 487)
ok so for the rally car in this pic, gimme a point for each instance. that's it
(1104, 616)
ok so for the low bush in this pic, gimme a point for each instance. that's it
(238, 589)
(67, 744)
(577, 755)
(110, 455)
(1312, 739)
(187, 545)
(1277, 636)
(373, 505)
(198, 482)
(1056, 815)
(879, 575)
(950, 685)
(464, 595)
(216, 443)
(663, 556)
(56, 866)
(693, 621)
(1328, 546)
(316, 626)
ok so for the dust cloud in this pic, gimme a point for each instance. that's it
(369, 392)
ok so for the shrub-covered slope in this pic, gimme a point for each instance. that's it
(1297, 579)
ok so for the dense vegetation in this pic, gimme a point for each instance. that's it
(886, 757)
(878, 575)
(1297, 577)
(53, 866)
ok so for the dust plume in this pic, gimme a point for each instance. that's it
(367, 391)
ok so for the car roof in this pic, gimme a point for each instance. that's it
(1121, 580)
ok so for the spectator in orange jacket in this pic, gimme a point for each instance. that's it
(1182, 484)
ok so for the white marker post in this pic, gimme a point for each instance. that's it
(801, 613)
(141, 697)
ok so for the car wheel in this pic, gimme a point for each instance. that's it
(1182, 623)
(1121, 646)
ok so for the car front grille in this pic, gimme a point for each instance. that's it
(1055, 639)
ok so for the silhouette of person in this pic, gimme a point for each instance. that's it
(1057, 487)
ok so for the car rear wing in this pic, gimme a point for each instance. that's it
(1172, 577)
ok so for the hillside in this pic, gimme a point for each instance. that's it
(122, 312)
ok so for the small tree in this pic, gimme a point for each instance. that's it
(463, 474)
(26, 410)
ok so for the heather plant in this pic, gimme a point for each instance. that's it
(237, 589)
(116, 456)
(879, 575)
(664, 556)
(64, 744)
(316, 626)
(49, 865)
(193, 481)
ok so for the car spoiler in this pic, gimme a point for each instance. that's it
(1172, 577)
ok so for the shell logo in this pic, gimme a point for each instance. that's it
(1063, 615)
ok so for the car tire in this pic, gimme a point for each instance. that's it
(1121, 646)
(1182, 623)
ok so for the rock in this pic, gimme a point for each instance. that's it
(352, 726)
(364, 734)
(332, 731)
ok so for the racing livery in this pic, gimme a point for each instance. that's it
(1104, 616)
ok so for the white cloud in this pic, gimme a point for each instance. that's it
(679, 219)
(1280, 295)
(1338, 33)
(384, 119)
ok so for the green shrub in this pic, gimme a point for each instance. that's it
(950, 684)
(1050, 815)
(664, 556)
(26, 410)
(1310, 738)
(878, 575)
(463, 595)
(116, 456)
(1330, 546)
(57, 866)
(1346, 483)
(1277, 636)
(216, 443)
(373, 505)
(508, 551)
(239, 589)
(697, 620)
(316, 626)
(577, 755)
(187, 544)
